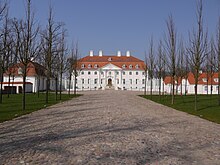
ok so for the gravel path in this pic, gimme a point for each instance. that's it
(109, 127)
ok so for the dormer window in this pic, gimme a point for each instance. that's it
(83, 66)
(137, 66)
(124, 66)
(89, 66)
(216, 79)
(109, 59)
(204, 79)
(20, 70)
(95, 66)
(130, 66)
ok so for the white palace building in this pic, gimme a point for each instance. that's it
(119, 72)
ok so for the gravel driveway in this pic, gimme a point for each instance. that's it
(109, 127)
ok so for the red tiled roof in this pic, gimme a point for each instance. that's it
(168, 80)
(101, 61)
(203, 76)
(33, 69)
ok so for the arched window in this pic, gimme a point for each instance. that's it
(137, 66)
(20, 70)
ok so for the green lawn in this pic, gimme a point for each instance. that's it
(207, 106)
(12, 106)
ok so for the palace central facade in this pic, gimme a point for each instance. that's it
(119, 72)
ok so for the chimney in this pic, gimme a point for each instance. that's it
(91, 53)
(128, 54)
(119, 53)
(100, 53)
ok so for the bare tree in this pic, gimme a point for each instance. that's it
(170, 41)
(5, 41)
(186, 71)
(26, 33)
(180, 66)
(75, 66)
(62, 60)
(145, 73)
(49, 44)
(210, 66)
(159, 66)
(218, 58)
(198, 47)
(151, 65)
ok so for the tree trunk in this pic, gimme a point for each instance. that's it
(9, 81)
(47, 90)
(195, 97)
(38, 87)
(185, 86)
(61, 86)
(151, 88)
(1, 94)
(24, 89)
(181, 87)
(207, 92)
(163, 88)
(69, 85)
(145, 85)
(56, 88)
(173, 90)
(160, 89)
(75, 85)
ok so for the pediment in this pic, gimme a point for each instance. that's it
(110, 67)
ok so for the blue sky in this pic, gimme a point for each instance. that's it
(112, 25)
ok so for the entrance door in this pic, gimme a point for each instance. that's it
(19, 89)
(109, 82)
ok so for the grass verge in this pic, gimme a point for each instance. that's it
(207, 105)
(12, 106)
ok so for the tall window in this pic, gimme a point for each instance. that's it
(117, 81)
(136, 73)
(130, 81)
(130, 73)
(136, 81)
(95, 73)
(206, 88)
(83, 81)
(95, 81)
(82, 73)
(89, 72)
(124, 73)
(143, 81)
(123, 81)
(88, 81)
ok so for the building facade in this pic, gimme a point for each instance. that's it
(118, 72)
(35, 80)
(207, 84)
